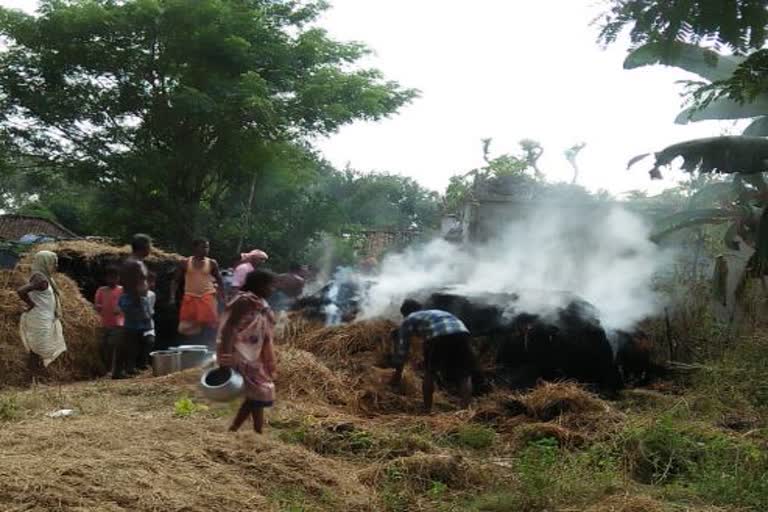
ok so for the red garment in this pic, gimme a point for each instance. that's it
(106, 300)
(199, 310)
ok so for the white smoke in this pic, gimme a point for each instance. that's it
(603, 256)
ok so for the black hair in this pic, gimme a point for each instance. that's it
(199, 242)
(410, 306)
(141, 242)
(111, 271)
(151, 275)
(295, 267)
(257, 281)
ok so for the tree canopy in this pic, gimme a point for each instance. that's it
(739, 25)
(173, 111)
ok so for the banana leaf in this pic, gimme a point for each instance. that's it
(707, 64)
(713, 194)
(727, 154)
(690, 218)
(725, 109)
(757, 128)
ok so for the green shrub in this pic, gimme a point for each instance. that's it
(185, 407)
(9, 409)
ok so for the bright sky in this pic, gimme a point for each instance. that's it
(507, 70)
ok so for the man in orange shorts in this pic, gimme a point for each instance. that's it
(202, 285)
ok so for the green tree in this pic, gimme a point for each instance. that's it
(737, 24)
(382, 200)
(171, 108)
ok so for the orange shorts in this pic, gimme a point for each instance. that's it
(199, 310)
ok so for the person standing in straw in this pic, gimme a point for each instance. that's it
(245, 344)
(202, 284)
(41, 329)
(249, 262)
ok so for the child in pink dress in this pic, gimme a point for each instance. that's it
(245, 344)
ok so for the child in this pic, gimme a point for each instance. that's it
(245, 344)
(148, 340)
(112, 319)
(134, 304)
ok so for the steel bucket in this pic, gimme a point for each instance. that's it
(165, 362)
(194, 356)
(221, 384)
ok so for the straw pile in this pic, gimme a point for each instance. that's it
(302, 375)
(81, 361)
(422, 470)
(550, 400)
(91, 249)
(339, 343)
(294, 326)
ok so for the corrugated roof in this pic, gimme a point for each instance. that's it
(13, 227)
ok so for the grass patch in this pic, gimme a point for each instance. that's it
(474, 437)
(185, 407)
(691, 460)
(350, 441)
(548, 476)
(9, 409)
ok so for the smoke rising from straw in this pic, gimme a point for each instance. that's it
(603, 256)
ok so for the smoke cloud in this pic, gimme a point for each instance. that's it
(603, 256)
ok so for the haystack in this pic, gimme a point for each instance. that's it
(339, 343)
(81, 361)
(86, 261)
(302, 375)
(550, 400)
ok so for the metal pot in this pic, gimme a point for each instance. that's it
(165, 362)
(221, 384)
(194, 357)
(190, 347)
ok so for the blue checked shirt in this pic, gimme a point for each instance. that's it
(427, 324)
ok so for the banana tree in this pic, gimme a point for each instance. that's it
(713, 68)
(739, 202)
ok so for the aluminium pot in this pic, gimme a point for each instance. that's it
(221, 384)
(165, 362)
(194, 356)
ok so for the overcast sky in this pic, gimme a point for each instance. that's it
(507, 70)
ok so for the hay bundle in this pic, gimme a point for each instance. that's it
(300, 374)
(337, 343)
(420, 471)
(550, 400)
(293, 326)
(90, 249)
(80, 322)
